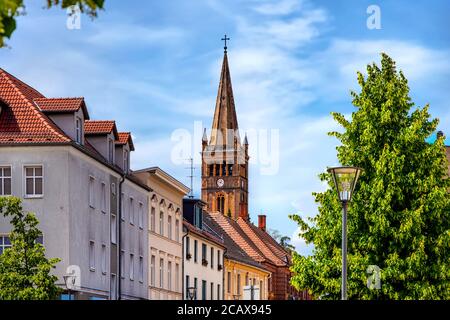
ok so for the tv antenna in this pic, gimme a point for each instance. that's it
(191, 176)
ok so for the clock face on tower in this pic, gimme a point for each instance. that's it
(220, 183)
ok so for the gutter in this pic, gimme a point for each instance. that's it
(223, 273)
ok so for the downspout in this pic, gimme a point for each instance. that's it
(183, 297)
(119, 242)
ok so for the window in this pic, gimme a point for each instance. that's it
(224, 168)
(141, 269)
(211, 293)
(152, 271)
(91, 255)
(246, 279)
(141, 215)
(79, 130)
(5, 181)
(113, 286)
(195, 250)
(103, 258)
(161, 223)
(5, 243)
(230, 169)
(113, 229)
(177, 230)
(203, 290)
(187, 287)
(203, 252)
(161, 273)
(195, 286)
(217, 169)
(122, 206)
(111, 150)
(113, 189)
(131, 266)
(34, 181)
(218, 260)
(169, 275)
(211, 170)
(188, 247)
(122, 264)
(169, 227)
(221, 204)
(218, 292)
(238, 284)
(91, 191)
(177, 274)
(229, 282)
(131, 210)
(125, 160)
(103, 195)
(152, 219)
(198, 217)
(212, 258)
(261, 290)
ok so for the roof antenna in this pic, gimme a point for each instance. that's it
(191, 176)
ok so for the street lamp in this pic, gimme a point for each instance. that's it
(345, 179)
(192, 292)
(69, 281)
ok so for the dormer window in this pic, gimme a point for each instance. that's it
(111, 150)
(79, 130)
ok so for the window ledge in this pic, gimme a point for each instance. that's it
(91, 269)
(33, 196)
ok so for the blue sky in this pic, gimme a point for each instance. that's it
(153, 66)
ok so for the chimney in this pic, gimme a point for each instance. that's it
(243, 211)
(262, 222)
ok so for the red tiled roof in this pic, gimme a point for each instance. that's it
(203, 233)
(20, 119)
(92, 127)
(231, 227)
(61, 105)
(124, 138)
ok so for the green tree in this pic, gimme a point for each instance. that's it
(24, 269)
(285, 242)
(399, 217)
(11, 9)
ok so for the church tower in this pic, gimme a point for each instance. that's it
(224, 158)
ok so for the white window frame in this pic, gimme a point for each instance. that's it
(103, 197)
(131, 266)
(3, 245)
(122, 206)
(131, 210)
(141, 269)
(161, 273)
(177, 230)
(177, 274)
(103, 258)
(153, 270)
(3, 178)
(34, 166)
(113, 229)
(125, 160)
(122, 264)
(78, 130)
(169, 227)
(91, 191)
(153, 219)
(161, 223)
(111, 150)
(169, 275)
(141, 215)
(92, 255)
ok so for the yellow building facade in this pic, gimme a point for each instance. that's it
(238, 275)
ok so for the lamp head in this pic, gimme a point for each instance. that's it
(345, 179)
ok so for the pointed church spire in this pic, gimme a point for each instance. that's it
(225, 121)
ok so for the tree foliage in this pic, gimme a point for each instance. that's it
(24, 269)
(11, 9)
(399, 217)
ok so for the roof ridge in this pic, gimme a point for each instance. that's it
(38, 113)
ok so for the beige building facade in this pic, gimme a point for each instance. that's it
(165, 231)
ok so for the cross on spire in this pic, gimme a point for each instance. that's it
(225, 40)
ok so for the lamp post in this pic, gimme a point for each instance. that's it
(345, 179)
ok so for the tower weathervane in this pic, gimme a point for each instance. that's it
(225, 39)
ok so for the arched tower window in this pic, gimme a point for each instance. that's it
(221, 204)
(211, 170)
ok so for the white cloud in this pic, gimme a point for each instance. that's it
(300, 245)
(277, 7)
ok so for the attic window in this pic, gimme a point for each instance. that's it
(79, 130)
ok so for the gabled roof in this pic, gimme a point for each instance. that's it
(100, 127)
(62, 105)
(124, 138)
(234, 251)
(203, 233)
(235, 232)
(271, 248)
(21, 121)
